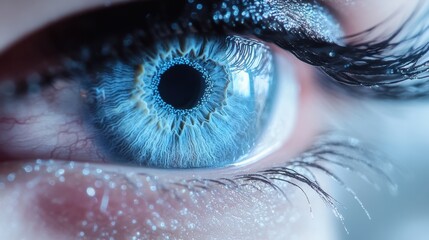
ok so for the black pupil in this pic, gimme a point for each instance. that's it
(182, 86)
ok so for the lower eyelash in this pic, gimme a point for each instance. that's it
(330, 150)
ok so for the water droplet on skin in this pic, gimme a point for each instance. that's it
(11, 177)
(390, 71)
(28, 169)
(90, 191)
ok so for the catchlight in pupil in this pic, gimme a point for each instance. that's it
(182, 86)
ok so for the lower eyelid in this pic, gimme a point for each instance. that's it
(89, 201)
(84, 201)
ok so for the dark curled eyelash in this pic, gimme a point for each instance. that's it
(384, 65)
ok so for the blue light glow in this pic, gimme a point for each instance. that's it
(138, 126)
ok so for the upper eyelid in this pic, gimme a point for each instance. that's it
(35, 42)
(41, 44)
(315, 44)
(20, 23)
(43, 13)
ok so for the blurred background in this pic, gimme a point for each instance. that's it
(401, 131)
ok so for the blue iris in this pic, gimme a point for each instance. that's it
(185, 102)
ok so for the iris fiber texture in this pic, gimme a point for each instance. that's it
(213, 121)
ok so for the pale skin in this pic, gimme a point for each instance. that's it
(20, 17)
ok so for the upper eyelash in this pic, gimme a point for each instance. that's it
(380, 64)
(326, 152)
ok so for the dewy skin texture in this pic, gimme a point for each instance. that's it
(89, 201)
(290, 17)
(111, 205)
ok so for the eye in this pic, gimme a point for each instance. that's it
(157, 119)
(185, 102)
(180, 99)
(182, 102)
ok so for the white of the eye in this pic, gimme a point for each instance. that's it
(283, 117)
